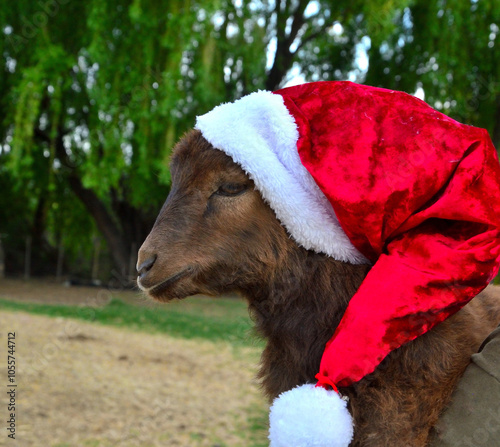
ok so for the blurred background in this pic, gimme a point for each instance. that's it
(94, 94)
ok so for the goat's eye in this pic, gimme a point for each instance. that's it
(231, 189)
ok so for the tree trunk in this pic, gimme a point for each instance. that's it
(39, 219)
(282, 63)
(118, 248)
(60, 260)
(95, 259)
(27, 258)
(496, 125)
(2, 260)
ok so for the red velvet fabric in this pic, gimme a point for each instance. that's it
(417, 193)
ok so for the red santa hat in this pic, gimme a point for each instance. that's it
(368, 175)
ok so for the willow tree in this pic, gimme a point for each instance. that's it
(451, 50)
(94, 95)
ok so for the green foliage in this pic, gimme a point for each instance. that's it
(451, 50)
(95, 94)
(215, 320)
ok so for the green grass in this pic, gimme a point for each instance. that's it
(258, 421)
(214, 319)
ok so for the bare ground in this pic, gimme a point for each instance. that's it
(50, 292)
(84, 384)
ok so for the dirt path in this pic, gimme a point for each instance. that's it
(82, 384)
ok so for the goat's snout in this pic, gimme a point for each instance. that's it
(144, 266)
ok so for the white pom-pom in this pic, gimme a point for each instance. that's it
(309, 416)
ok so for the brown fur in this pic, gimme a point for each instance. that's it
(208, 242)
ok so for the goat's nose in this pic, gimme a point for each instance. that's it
(144, 267)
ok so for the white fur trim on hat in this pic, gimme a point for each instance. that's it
(309, 416)
(259, 134)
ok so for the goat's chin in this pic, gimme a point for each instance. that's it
(169, 293)
(166, 297)
(178, 286)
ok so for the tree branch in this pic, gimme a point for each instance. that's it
(311, 36)
(298, 20)
(283, 59)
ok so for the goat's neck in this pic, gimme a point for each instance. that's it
(297, 308)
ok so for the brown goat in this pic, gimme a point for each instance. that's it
(215, 234)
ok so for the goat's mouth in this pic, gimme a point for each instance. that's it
(161, 290)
